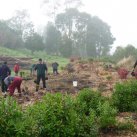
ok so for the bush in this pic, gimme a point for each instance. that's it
(55, 116)
(88, 125)
(10, 115)
(125, 96)
(87, 100)
(107, 115)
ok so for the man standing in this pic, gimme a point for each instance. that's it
(4, 72)
(41, 72)
(55, 68)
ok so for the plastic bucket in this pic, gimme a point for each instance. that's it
(75, 83)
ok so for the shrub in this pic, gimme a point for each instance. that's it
(55, 116)
(87, 100)
(125, 96)
(122, 73)
(107, 115)
(88, 125)
(10, 115)
(13, 121)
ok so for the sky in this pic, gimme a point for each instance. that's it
(121, 15)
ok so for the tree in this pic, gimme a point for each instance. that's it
(54, 7)
(66, 46)
(9, 37)
(34, 43)
(90, 36)
(21, 23)
(99, 36)
(52, 38)
(122, 52)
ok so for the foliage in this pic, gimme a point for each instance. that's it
(56, 116)
(88, 99)
(124, 97)
(90, 36)
(107, 115)
(9, 37)
(52, 43)
(122, 52)
(34, 42)
(21, 23)
(10, 114)
(60, 115)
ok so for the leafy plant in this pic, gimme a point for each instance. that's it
(107, 115)
(88, 99)
(10, 115)
(125, 96)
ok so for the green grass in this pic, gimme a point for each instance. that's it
(27, 53)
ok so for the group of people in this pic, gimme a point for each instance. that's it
(10, 83)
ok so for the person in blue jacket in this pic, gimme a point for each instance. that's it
(4, 72)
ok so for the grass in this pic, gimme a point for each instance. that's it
(27, 53)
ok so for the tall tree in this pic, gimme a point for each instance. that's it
(52, 38)
(54, 7)
(122, 52)
(90, 36)
(9, 37)
(21, 23)
(100, 36)
(34, 43)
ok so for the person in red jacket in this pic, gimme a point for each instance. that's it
(16, 69)
(12, 83)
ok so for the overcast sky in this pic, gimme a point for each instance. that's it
(121, 15)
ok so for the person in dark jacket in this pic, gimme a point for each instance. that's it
(135, 64)
(41, 72)
(4, 72)
(55, 68)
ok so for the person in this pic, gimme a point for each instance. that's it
(135, 64)
(41, 72)
(4, 72)
(16, 68)
(13, 82)
(32, 69)
(55, 68)
(133, 72)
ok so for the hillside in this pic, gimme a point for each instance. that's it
(24, 53)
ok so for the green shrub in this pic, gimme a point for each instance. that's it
(87, 100)
(125, 96)
(55, 116)
(107, 117)
(10, 115)
(88, 125)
